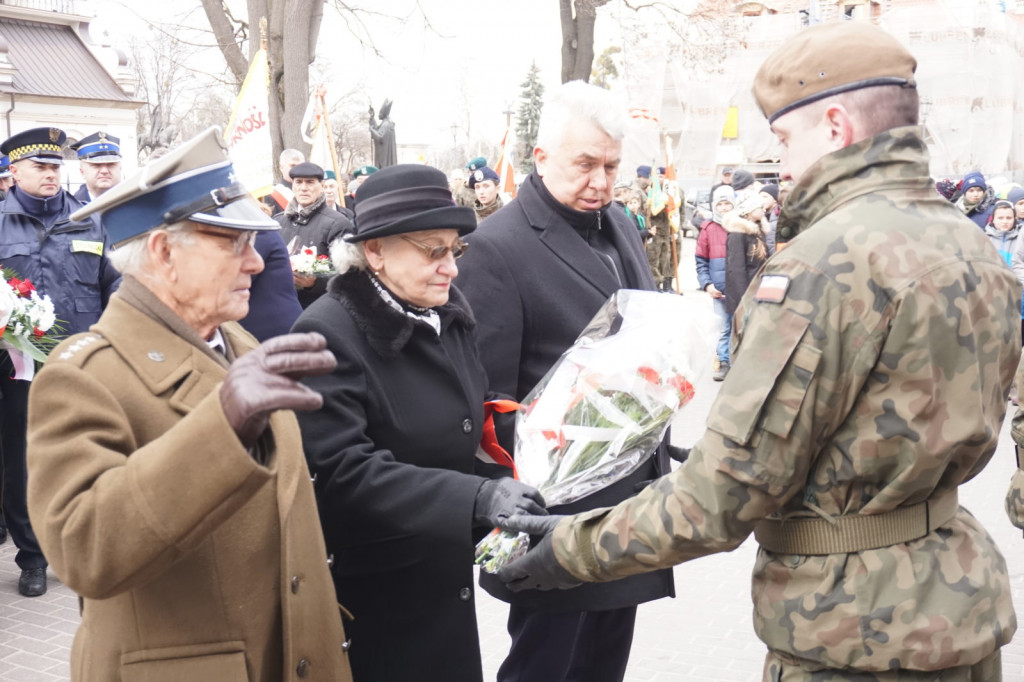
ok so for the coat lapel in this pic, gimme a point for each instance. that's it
(558, 235)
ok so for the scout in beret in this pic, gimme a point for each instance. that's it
(99, 159)
(484, 183)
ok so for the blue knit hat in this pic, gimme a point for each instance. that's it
(973, 179)
(643, 171)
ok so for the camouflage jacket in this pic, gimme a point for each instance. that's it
(1015, 496)
(484, 211)
(877, 377)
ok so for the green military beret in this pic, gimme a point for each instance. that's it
(474, 164)
(827, 60)
(364, 170)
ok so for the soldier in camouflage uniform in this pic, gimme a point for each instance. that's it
(835, 438)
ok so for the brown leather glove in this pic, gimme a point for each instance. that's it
(265, 380)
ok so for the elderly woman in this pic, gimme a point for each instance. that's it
(393, 449)
(161, 486)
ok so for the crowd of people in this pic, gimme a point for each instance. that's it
(247, 470)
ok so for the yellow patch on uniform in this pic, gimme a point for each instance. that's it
(772, 289)
(83, 245)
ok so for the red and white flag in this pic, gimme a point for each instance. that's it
(505, 168)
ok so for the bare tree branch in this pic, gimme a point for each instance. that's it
(223, 30)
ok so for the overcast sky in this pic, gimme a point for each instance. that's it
(463, 74)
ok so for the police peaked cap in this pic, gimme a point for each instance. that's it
(407, 198)
(195, 182)
(38, 144)
(98, 148)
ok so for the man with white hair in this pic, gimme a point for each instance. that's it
(535, 274)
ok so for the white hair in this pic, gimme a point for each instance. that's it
(289, 154)
(577, 101)
(130, 258)
(348, 256)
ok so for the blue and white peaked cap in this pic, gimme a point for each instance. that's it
(195, 182)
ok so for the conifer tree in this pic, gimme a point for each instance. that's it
(531, 100)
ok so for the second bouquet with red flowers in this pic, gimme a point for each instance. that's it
(604, 408)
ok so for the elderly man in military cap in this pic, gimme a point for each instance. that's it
(167, 479)
(99, 158)
(66, 260)
(832, 439)
(307, 221)
(358, 175)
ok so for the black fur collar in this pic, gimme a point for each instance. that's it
(385, 328)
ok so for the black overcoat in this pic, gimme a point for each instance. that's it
(534, 284)
(393, 453)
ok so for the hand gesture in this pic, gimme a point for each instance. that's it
(266, 379)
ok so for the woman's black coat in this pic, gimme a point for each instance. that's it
(393, 457)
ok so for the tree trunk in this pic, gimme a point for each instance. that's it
(578, 38)
(224, 34)
(292, 30)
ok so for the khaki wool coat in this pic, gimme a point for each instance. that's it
(193, 561)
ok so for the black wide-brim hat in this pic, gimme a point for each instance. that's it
(407, 198)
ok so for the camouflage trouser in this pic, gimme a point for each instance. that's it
(989, 669)
(659, 256)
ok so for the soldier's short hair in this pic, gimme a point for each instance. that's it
(877, 109)
(575, 102)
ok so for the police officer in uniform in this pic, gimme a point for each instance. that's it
(66, 260)
(99, 157)
(834, 438)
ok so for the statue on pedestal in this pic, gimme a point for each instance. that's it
(385, 150)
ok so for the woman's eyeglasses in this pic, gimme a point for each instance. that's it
(437, 251)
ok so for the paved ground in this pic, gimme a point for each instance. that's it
(704, 635)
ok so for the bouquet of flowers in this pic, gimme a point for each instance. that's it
(306, 262)
(605, 406)
(26, 318)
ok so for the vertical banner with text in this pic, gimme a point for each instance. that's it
(248, 131)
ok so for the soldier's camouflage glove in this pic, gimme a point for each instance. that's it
(538, 569)
(498, 499)
(266, 379)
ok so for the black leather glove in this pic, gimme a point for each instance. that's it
(498, 499)
(538, 569)
(265, 380)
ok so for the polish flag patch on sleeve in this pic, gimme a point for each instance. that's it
(772, 289)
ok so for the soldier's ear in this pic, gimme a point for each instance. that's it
(840, 126)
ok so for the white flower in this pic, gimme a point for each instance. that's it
(7, 300)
